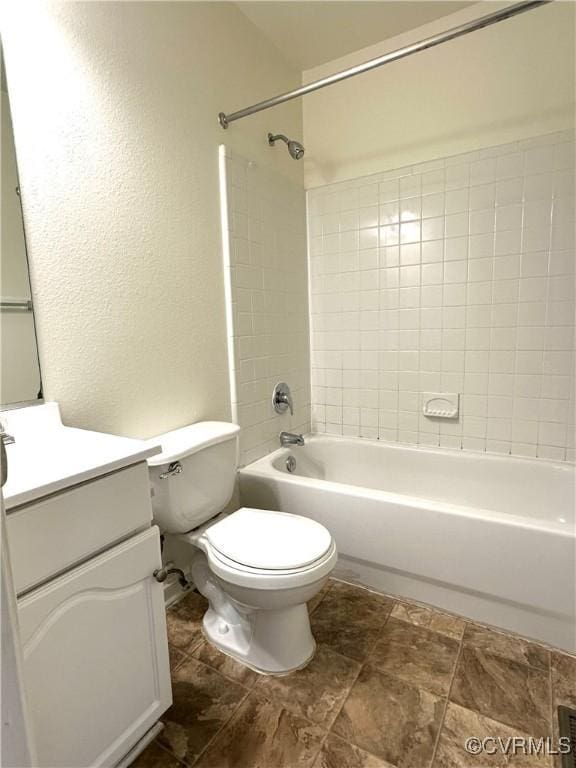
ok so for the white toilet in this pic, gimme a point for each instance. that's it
(257, 568)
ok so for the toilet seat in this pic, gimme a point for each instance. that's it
(266, 540)
(265, 549)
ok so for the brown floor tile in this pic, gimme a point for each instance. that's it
(317, 599)
(391, 719)
(264, 735)
(349, 619)
(563, 689)
(384, 715)
(563, 679)
(508, 646)
(176, 657)
(203, 702)
(154, 756)
(357, 595)
(451, 626)
(415, 654)
(504, 690)
(184, 621)
(461, 724)
(226, 665)
(316, 692)
(337, 753)
(557, 759)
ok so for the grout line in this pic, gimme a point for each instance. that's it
(219, 731)
(320, 747)
(491, 652)
(453, 614)
(189, 657)
(346, 697)
(552, 698)
(165, 749)
(352, 684)
(491, 715)
(249, 691)
(447, 700)
(186, 653)
(518, 148)
(319, 603)
(362, 749)
(362, 665)
(426, 628)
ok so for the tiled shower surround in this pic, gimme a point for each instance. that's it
(264, 217)
(455, 275)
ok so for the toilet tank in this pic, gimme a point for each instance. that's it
(193, 477)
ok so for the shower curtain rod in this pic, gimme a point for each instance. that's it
(400, 53)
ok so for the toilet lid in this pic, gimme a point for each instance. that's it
(269, 540)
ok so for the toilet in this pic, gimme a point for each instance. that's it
(257, 568)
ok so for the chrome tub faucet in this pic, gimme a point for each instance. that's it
(289, 438)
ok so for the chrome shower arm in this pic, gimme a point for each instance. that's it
(274, 137)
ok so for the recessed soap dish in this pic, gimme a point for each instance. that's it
(441, 405)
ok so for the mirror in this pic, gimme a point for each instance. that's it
(20, 382)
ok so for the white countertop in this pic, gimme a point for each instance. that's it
(49, 457)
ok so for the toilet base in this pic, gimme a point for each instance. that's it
(271, 642)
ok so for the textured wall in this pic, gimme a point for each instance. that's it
(452, 276)
(268, 300)
(117, 141)
(500, 84)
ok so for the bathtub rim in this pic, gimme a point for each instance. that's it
(264, 469)
(461, 453)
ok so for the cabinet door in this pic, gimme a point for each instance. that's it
(96, 656)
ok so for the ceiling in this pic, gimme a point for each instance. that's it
(312, 33)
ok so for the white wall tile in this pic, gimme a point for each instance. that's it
(459, 275)
(267, 275)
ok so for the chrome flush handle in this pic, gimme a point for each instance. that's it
(175, 468)
(5, 438)
(3, 464)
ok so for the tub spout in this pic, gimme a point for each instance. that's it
(289, 438)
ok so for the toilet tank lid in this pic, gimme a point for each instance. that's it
(188, 440)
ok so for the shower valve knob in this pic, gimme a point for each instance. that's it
(282, 398)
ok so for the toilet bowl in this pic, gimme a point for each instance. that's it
(257, 568)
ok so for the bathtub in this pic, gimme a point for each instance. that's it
(489, 537)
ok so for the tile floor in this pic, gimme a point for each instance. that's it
(392, 685)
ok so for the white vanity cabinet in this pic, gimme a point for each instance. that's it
(96, 656)
(91, 615)
(52, 534)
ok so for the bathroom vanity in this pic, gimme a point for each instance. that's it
(91, 615)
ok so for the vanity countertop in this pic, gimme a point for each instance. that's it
(49, 457)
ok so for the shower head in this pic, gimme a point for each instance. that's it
(294, 147)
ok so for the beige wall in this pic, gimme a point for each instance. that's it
(114, 107)
(504, 83)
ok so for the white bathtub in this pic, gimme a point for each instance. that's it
(489, 537)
